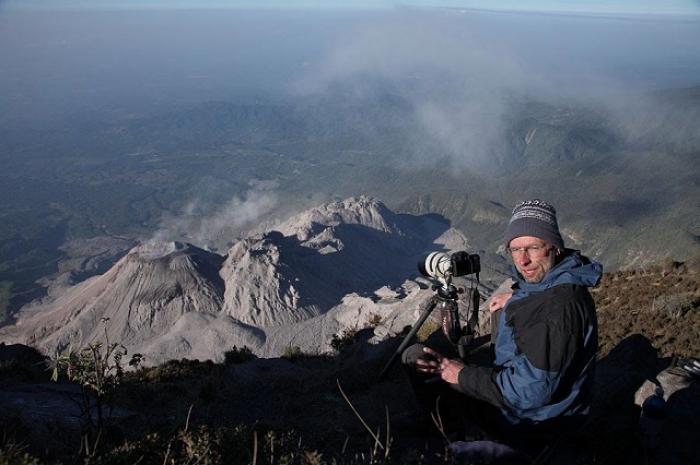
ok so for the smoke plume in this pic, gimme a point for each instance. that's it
(214, 227)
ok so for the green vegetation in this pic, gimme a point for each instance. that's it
(12, 453)
(375, 320)
(428, 328)
(236, 355)
(184, 418)
(292, 353)
(98, 370)
(343, 339)
(213, 446)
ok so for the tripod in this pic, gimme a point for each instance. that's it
(446, 299)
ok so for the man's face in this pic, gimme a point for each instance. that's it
(532, 257)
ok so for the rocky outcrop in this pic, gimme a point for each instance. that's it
(315, 275)
(141, 297)
(306, 267)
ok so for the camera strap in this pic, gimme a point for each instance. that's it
(473, 318)
(472, 326)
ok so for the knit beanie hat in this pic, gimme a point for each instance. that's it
(534, 218)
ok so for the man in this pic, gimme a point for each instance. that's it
(546, 334)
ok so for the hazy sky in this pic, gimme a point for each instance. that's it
(579, 6)
(458, 70)
(61, 63)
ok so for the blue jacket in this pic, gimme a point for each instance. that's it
(545, 348)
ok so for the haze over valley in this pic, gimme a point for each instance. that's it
(211, 212)
(205, 127)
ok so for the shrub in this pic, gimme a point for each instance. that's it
(236, 355)
(206, 445)
(174, 370)
(98, 370)
(374, 320)
(292, 353)
(344, 339)
(428, 328)
(13, 454)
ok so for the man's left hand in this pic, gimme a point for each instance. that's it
(449, 370)
(498, 301)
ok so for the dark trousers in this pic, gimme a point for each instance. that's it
(458, 415)
(461, 417)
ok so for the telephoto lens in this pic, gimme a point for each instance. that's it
(435, 265)
(439, 264)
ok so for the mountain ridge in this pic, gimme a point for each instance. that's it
(173, 300)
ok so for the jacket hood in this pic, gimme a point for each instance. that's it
(573, 268)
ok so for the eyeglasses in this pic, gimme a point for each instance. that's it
(532, 251)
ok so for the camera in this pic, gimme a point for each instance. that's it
(441, 265)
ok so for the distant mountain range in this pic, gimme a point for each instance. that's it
(623, 175)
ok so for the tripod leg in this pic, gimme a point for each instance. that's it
(409, 337)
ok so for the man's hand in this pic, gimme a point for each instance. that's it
(435, 363)
(498, 301)
(450, 370)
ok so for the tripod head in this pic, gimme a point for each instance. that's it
(442, 267)
(447, 291)
(446, 299)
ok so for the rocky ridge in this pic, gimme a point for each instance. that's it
(325, 270)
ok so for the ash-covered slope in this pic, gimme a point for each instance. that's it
(142, 296)
(316, 275)
(315, 258)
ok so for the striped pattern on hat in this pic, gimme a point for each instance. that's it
(534, 218)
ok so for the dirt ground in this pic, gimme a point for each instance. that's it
(661, 303)
(646, 317)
